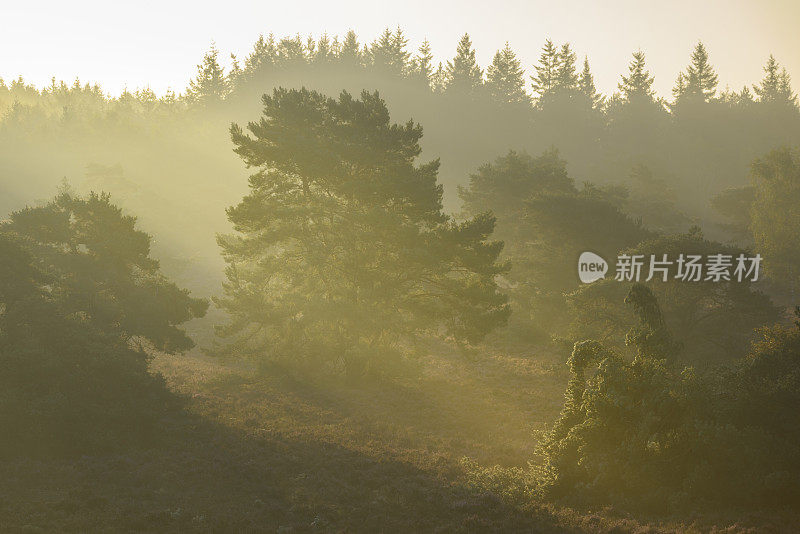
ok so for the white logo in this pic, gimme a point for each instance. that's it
(591, 267)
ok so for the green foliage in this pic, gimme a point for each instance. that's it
(587, 88)
(699, 82)
(211, 85)
(388, 53)
(101, 269)
(735, 204)
(646, 433)
(775, 215)
(544, 80)
(464, 76)
(343, 251)
(637, 86)
(775, 88)
(712, 320)
(505, 78)
(547, 223)
(77, 288)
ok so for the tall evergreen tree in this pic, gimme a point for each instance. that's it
(291, 50)
(439, 79)
(745, 96)
(566, 76)
(775, 87)
(264, 53)
(700, 81)
(638, 85)
(350, 54)
(463, 74)
(586, 85)
(311, 47)
(342, 248)
(422, 64)
(505, 78)
(546, 70)
(236, 74)
(324, 51)
(680, 87)
(389, 54)
(210, 85)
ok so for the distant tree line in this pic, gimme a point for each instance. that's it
(701, 141)
(558, 74)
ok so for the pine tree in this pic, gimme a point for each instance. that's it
(380, 50)
(680, 87)
(210, 86)
(638, 85)
(505, 78)
(700, 81)
(745, 96)
(546, 70)
(775, 87)
(400, 55)
(291, 50)
(439, 79)
(566, 76)
(100, 266)
(350, 54)
(236, 73)
(586, 86)
(264, 53)
(388, 53)
(324, 51)
(311, 47)
(342, 249)
(422, 64)
(463, 74)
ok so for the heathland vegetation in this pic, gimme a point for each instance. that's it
(271, 303)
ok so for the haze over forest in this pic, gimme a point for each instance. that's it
(331, 283)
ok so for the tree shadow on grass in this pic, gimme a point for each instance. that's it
(207, 477)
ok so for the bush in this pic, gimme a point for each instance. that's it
(649, 433)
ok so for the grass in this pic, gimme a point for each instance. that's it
(268, 453)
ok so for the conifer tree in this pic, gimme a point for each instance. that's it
(236, 73)
(546, 70)
(210, 86)
(324, 50)
(680, 87)
(388, 53)
(566, 76)
(745, 96)
(775, 87)
(291, 50)
(463, 74)
(400, 56)
(422, 64)
(700, 81)
(380, 50)
(342, 248)
(586, 85)
(350, 54)
(439, 79)
(311, 47)
(264, 53)
(505, 78)
(638, 85)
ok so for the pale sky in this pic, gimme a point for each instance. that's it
(159, 44)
